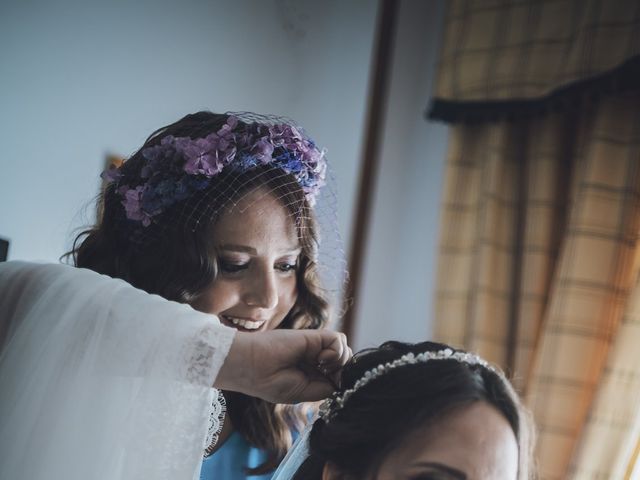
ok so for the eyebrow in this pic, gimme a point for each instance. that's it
(454, 472)
(253, 251)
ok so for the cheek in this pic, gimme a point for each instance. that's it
(287, 296)
(217, 298)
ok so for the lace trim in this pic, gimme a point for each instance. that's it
(206, 353)
(216, 422)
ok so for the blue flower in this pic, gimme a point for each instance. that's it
(245, 162)
(288, 161)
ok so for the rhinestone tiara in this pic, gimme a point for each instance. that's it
(336, 402)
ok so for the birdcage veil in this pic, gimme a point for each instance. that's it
(188, 174)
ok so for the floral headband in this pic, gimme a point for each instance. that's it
(336, 402)
(180, 166)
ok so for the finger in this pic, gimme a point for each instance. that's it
(328, 357)
(332, 349)
(345, 355)
(316, 389)
(331, 374)
(313, 385)
(347, 352)
(337, 364)
(336, 379)
(333, 371)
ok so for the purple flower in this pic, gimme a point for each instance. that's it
(178, 167)
(229, 127)
(112, 174)
(262, 150)
(207, 156)
(132, 202)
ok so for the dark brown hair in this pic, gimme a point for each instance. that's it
(378, 416)
(173, 257)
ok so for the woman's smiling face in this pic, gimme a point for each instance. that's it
(257, 247)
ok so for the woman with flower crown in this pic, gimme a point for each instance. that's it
(208, 246)
(418, 412)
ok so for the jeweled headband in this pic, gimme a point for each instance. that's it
(336, 402)
(181, 166)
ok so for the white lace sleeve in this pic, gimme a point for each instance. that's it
(100, 380)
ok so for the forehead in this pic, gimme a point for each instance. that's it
(256, 219)
(475, 439)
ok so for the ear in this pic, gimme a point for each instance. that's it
(332, 472)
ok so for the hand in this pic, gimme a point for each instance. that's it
(285, 366)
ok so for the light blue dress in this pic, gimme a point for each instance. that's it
(230, 460)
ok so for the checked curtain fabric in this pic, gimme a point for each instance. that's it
(539, 254)
(506, 56)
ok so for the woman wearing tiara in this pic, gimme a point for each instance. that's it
(416, 411)
(215, 211)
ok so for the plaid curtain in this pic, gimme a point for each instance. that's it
(539, 253)
(538, 269)
(512, 54)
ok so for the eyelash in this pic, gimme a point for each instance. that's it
(430, 476)
(231, 268)
(286, 267)
(228, 267)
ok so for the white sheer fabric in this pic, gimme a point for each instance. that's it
(295, 457)
(101, 381)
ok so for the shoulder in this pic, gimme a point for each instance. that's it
(19, 275)
(32, 271)
(20, 268)
(33, 275)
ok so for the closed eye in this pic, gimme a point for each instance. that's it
(231, 267)
(434, 476)
(438, 471)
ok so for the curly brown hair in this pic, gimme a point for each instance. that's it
(175, 259)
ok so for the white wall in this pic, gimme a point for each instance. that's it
(398, 279)
(84, 78)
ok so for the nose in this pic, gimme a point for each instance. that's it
(262, 290)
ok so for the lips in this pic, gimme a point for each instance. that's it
(244, 324)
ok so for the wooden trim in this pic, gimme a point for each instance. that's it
(377, 101)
